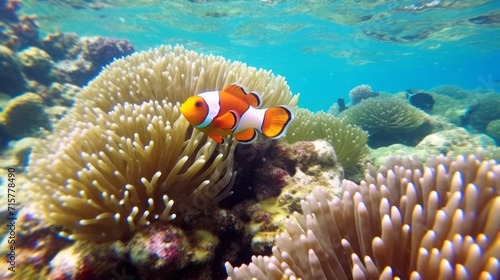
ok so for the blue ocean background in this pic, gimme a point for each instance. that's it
(322, 48)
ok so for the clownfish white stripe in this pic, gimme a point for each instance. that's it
(213, 107)
(251, 118)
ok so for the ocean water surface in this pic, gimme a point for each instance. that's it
(323, 48)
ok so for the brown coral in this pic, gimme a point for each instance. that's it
(23, 116)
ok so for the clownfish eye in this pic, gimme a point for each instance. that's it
(197, 104)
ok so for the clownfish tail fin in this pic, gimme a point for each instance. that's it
(276, 121)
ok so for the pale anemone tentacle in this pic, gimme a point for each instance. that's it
(381, 229)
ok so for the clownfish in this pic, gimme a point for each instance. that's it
(235, 111)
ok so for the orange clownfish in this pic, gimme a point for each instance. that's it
(234, 111)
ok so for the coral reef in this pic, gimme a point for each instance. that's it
(59, 94)
(36, 64)
(155, 252)
(41, 66)
(454, 141)
(273, 169)
(11, 77)
(102, 50)
(8, 9)
(450, 108)
(23, 116)
(361, 92)
(388, 120)
(493, 128)
(452, 91)
(349, 141)
(405, 221)
(16, 31)
(86, 57)
(159, 248)
(488, 111)
(124, 152)
(36, 244)
(60, 45)
(451, 141)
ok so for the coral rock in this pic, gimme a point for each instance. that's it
(158, 250)
(22, 150)
(26, 31)
(493, 128)
(60, 45)
(77, 72)
(11, 77)
(36, 63)
(101, 51)
(267, 221)
(23, 116)
(85, 59)
(88, 260)
(36, 244)
(61, 94)
(454, 141)
(487, 111)
(8, 9)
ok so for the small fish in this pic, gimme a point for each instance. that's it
(341, 104)
(234, 111)
(420, 99)
(464, 118)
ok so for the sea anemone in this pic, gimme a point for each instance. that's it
(361, 92)
(385, 113)
(406, 221)
(124, 153)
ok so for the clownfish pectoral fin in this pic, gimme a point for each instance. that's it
(252, 98)
(247, 136)
(276, 121)
(227, 121)
(217, 138)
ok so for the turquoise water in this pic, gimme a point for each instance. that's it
(323, 48)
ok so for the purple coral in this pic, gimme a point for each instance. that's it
(8, 9)
(101, 51)
(91, 55)
(361, 92)
(159, 249)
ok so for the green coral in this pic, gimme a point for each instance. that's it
(450, 108)
(489, 104)
(452, 91)
(349, 141)
(493, 128)
(387, 114)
